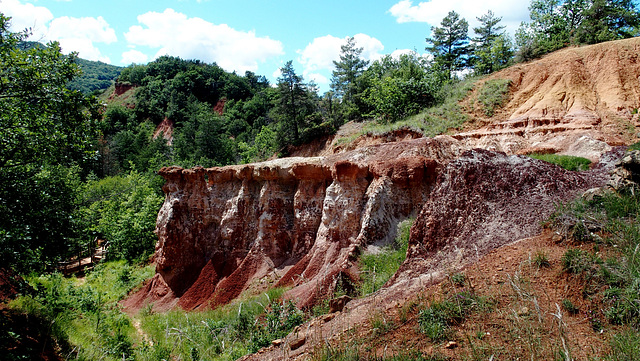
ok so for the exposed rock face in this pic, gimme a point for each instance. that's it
(291, 221)
(484, 200)
(481, 201)
(578, 101)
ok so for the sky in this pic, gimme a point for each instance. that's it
(240, 35)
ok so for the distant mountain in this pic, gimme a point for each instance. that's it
(96, 75)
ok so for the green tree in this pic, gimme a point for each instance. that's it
(123, 211)
(488, 30)
(450, 43)
(41, 118)
(46, 130)
(344, 80)
(492, 48)
(294, 103)
(400, 87)
(608, 20)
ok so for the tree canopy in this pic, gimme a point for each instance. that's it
(450, 43)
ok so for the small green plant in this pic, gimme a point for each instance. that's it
(568, 306)
(567, 162)
(493, 94)
(575, 261)
(458, 279)
(541, 260)
(436, 319)
(379, 323)
(377, 269)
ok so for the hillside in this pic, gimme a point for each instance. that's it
(303, 222)
(576, 101)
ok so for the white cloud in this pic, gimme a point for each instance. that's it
(74, 34)
(320, 54)
(25, 16)
(80, 34)
(134, 57)
(194, 38)
(432, 12)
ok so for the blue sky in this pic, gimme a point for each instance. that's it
(240, 35)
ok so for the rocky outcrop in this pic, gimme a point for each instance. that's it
(289, 222)
(484, 200)
(480, 201)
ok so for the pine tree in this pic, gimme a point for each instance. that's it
(348, 70)
(450, 43)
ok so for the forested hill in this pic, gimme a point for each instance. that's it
(96, 75)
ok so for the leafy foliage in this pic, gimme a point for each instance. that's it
(122, 210)
(557, 23)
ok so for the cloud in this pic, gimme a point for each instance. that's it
(194, 38)
(134, 57)
(432, 12)
(25, 16)
(80, 34)
(74, 34)
(320, 54)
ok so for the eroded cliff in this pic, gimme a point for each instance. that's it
(289, 222)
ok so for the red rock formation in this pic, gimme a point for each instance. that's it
(484, 200)
(291, 221)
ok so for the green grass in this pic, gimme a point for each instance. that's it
(377, 269)
(567, 162)
(225, 333)
(84, 314)
(493, 94)
(439, 316)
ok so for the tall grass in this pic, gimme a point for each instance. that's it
(376, 269)
(85, 314)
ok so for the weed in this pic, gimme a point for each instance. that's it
(575, 261)
(458, 279)
(541, 260)
(380, 324)
(436, 319)
(568, 306)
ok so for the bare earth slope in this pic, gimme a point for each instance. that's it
(576, 101)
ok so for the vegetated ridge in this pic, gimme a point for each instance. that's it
(576, 101)
(301, 222)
